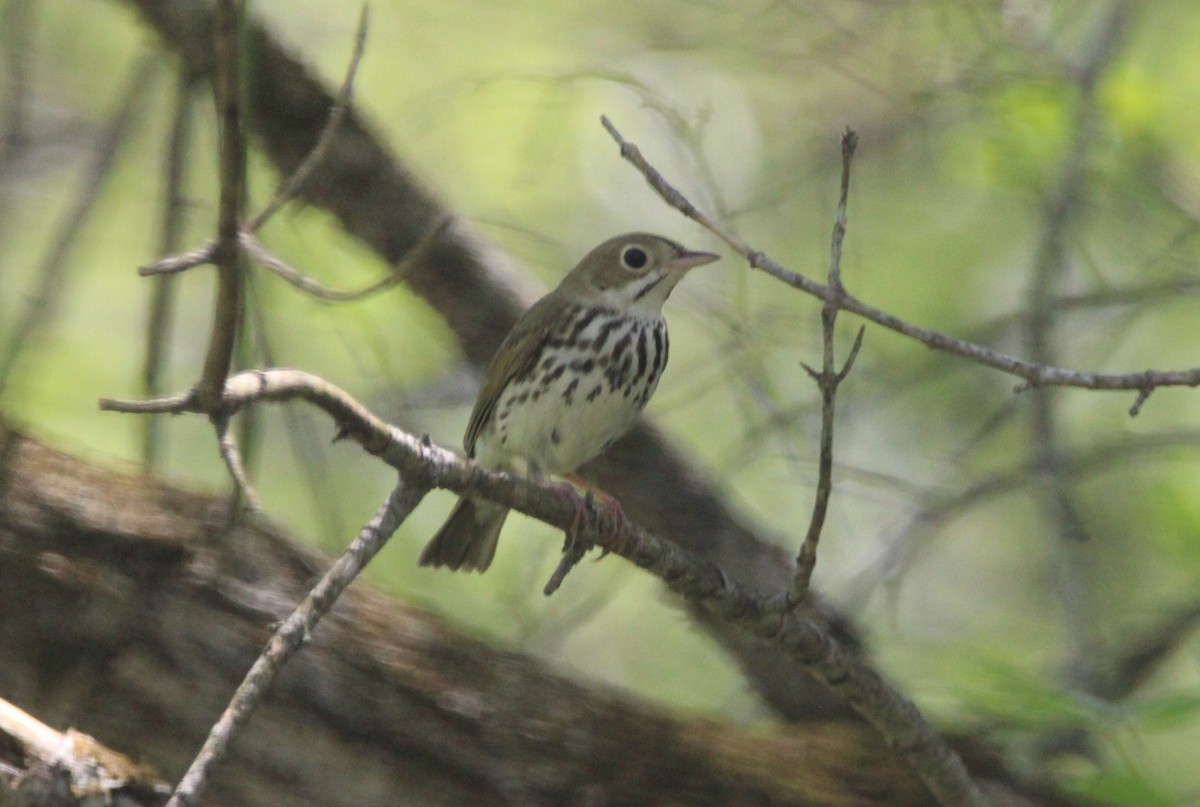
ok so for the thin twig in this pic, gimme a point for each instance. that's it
(828, 380)
(232, 458)
(1033, 374)
(216, 250)
(181, 262)
(573, 552)
(158, 326)
(1143, 395)
(228, 313)
(249, 431)
(292, 635)
(292, 185)
(265, 258)
(783, 419)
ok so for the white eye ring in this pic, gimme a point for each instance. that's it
(634, 257)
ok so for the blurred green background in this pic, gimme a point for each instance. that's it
(968, 115)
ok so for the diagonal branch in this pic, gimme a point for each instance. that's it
(1034, 374)
(290, 187)
(802, 638)
(293, 633)
(290, 274)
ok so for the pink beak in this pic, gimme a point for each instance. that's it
(689, 260)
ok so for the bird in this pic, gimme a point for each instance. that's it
(569, 379)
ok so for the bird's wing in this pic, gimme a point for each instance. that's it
(517, 354)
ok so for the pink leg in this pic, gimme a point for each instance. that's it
(614, 523)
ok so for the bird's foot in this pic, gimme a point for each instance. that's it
(610, 522)
(606, 510)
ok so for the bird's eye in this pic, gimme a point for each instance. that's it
(634, 258)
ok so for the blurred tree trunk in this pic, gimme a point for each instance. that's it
(131, 611)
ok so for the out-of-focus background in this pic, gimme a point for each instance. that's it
(992, 182)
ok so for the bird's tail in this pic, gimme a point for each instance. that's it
(468, 539)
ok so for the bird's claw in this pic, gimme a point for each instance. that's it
(612, 524)
(609, 518)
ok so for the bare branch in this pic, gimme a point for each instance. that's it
(228, 313)
(828, 380)
(158, 326)
(1033, 374)
(92, 772)
(206, 252)
(218, 250)
(270, 262)
(806, 640)
(611, 517)
(573, 552)
(232, 458)
(291, 186)
(293, 633)
(181, 262)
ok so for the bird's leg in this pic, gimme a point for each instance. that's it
(612, 527)
(611, 522)
(581, 505)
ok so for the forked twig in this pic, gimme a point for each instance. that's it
(828, 380)
(265, 258)
(213, 250)
(291, 186)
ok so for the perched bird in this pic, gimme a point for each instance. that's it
(568, 380)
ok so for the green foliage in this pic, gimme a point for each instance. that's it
(1124, 788)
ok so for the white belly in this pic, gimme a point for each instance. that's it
(551, 421)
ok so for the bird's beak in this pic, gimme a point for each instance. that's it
(689, 260)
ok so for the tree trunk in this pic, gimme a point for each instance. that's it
(131, 611)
